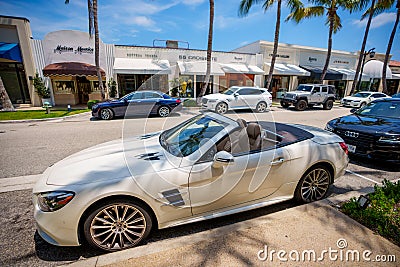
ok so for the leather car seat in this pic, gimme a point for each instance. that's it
(254, 135)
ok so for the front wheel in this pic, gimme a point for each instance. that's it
(301, 105)
(328, 104)
(164, 111)
(284, 104)
(261, 107)
(221, 108)
(106, 114)
(117, 225)
(313, 185)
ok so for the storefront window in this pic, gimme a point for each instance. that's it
(199, 85)
(64, 87)
(186, 86)
(278, 82)
(96, 86)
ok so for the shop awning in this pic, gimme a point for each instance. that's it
(71, 68)
(10, 52)
(141, 66)
(317, 71)
(348, 75)
(395, 76)
(288, 69)
(374, 69)
(199, 68)
(241, 68)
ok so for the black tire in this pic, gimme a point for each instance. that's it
(106, 114)
(284, 104)
(328, 105)
(164, 111)
(221, 108)
(313, 185)
(301, 105)
(261, 107)
(103, 220)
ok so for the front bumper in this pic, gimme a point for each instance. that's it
(351, 104)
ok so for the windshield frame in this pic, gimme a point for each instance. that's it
(231, 90)
(304, 88)
(359, 112)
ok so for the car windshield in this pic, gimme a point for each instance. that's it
(381, 109)
(231, 90)
(186, 138)
(362, 95)
(306, 88)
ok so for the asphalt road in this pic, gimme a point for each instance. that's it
(29, 148)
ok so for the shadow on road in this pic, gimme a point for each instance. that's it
(373, 164)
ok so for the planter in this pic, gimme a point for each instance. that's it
(48, 100)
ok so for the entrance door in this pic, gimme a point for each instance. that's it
(84, 89)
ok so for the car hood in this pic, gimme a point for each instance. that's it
(354, 98)
(368, 124)
(112, 160)
(218, 96)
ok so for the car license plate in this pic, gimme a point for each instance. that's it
(351, 148)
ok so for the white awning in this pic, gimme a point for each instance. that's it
(141, 66)
(241, 68)
(288, 69)
(349, 74)
(199, 68)
(374, 69)
(395, 76)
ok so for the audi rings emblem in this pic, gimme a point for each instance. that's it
(351, 134)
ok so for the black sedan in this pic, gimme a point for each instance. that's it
(372, 131)
(137, 103)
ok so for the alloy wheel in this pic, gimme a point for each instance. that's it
(163, 111)
(221, 108)
(261, 107)
(314, 185)
(106, 114)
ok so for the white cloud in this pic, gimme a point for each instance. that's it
(378, 21)
(192, 2)
(143, 21)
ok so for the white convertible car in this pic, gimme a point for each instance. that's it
(113, 194)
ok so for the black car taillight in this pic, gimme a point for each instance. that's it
(344, 147)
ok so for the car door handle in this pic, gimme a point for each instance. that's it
(277, 162)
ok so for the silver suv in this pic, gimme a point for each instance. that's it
(308, 95)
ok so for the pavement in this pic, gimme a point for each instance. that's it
(306, 235)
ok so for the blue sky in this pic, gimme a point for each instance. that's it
(139, 22)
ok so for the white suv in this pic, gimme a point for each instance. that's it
(238, 97)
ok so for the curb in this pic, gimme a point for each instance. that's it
(47, 119)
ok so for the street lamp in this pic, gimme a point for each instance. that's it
(371, 54)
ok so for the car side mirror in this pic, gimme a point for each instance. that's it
(353, 110)
(222, 158)
(235, 94)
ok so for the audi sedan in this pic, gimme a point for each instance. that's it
(112, 195)
(372, 131)
(137, 103)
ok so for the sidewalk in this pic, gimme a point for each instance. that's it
(307, 235)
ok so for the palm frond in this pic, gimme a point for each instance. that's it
(267, 4)
(245, 5)
(305, 13)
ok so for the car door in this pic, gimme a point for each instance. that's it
(249, 177)
(149, 102)
(315, 95)
(134, 104)
(376, 96)
(245, 98)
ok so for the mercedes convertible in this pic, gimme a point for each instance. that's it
(112, 195)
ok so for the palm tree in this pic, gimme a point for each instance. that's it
(244, 9)
(4, 99)
(333, 20)
(93, 26)
(370, 13)
(209, 51)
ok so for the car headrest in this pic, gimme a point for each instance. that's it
(242, 123)
(253, 130)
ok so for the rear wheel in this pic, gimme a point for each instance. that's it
(106, 114)
(221, 108)
(261, 107)
(313, 185)
(301, 105)
(163, 111)
(117, 225)
(328, 104)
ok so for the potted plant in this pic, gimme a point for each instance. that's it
(42, 91)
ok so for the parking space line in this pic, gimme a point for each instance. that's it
(363, 177)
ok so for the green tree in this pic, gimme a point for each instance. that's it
(209, 51)
(332, 19)
(244, 9)
(94, 27)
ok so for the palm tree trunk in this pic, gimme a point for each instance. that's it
(389, 47)
(360, 57)
(276, 41)
(328, 55)
(97, 50)
(209, 52)
(5, 99)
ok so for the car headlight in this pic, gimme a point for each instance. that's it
(390, 139)
(52, 201)
(329, 128)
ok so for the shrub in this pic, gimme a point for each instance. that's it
(90, 103)
(40, 88)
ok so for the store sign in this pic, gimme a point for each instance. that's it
(280, 55)
(69, 49)
(195, 58)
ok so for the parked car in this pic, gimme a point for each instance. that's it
(372, 131)
(237, 97)
(137, 103)
(396, 95)
(113, 194)
(360, 99)
(309, 95)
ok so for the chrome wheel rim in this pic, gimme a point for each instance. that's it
(261, 107)
(164, 111)
(105, 114)
(118, 227)
(222, 108)
(315, 185)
